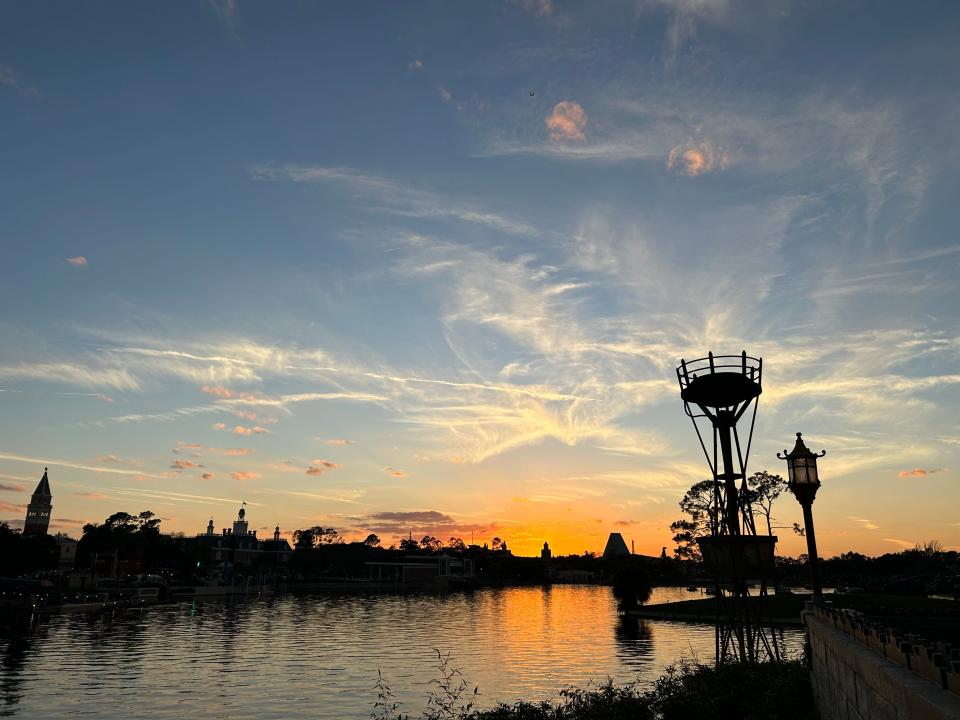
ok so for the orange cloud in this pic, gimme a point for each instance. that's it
(694, 159)
(339, 441)
(217, 391)
(246, 414)
(256, 430)
(236, 452)
(108, 459)
(208, 476)
(395, 472)
(918, 472)
(319, 467)
(184, 464)
(219, 426)
(78, 261)
(245, 475)
(568, 121)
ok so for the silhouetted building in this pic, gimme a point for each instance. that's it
(68, 552)
(545, 553)
(277, 550)
(438, 570)
(38, 511)
(240, 546)
(616, 547)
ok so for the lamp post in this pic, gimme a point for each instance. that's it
(804, 483)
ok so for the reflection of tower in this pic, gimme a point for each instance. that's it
(721, 389)
(38, 511)
(240, 524)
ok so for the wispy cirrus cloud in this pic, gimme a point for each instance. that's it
(389, 196)
(902, 544)
(226, 11)
(14, 457)
(863, 522)
(541, 8)
(92, 495)
(11, 79)
(94, 374)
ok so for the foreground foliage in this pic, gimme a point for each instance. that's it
(731, 692)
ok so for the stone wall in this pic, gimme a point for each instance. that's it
(861, 672)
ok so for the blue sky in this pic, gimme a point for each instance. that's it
(335, 260)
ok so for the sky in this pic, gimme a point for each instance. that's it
(429, 267)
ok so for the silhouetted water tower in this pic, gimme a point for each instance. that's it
(720, 390)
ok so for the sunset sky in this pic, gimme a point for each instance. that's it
(429, 267)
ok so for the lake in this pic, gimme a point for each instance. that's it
(317, 656)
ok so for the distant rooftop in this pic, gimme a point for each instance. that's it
(615, 546)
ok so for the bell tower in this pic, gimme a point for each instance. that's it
(240, 524)
(38, 511)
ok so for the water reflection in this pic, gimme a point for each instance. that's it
(318, 656)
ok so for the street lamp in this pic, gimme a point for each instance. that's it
(804, 483)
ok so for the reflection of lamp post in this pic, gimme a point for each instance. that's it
(804, 483)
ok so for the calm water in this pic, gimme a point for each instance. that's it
(317, 656)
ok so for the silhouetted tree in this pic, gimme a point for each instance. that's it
(456, 544)
(129, 537)
(697, 505)
(762, 490)
(409, 544)
(315, 536)
(328, 536)
(496, 543)
(685, 534)
(430, 543)
(304, 539)
(372, 541)
(631, 585)
(148, 523)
